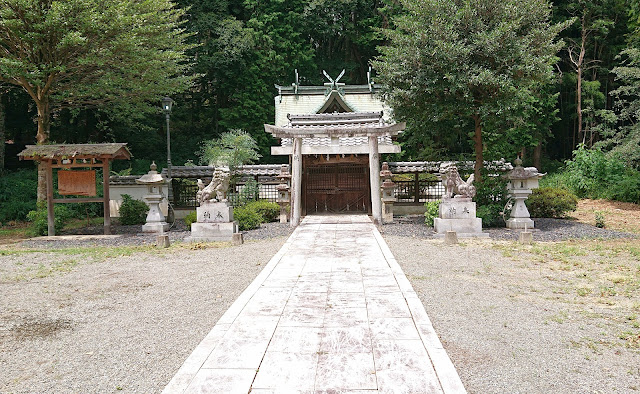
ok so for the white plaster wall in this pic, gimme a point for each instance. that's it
(303, 105)
(137, 192)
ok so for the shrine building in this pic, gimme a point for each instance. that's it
(334, 135)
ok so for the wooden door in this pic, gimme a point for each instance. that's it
(337, 188)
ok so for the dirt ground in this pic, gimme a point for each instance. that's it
(621, 216)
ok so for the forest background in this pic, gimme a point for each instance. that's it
(245, 47)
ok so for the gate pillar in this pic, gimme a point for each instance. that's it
(374, 177)
(296, 184)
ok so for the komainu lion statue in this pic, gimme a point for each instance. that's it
(453, 183)
(216, 190)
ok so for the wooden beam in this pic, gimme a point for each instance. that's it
(105, 194)
(51, 228)
(78, 200)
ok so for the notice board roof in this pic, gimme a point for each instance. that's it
(75, 151)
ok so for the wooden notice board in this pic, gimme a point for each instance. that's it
(77, 183)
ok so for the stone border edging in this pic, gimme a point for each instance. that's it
(445, 370)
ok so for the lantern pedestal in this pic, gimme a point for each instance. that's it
(521, 181)
(156, 223)
(388, 198)
(520, 217)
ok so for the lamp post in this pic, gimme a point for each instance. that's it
(166, 107)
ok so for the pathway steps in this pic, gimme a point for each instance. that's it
(332, 312)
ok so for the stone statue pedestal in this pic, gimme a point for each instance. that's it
(215, 223)
(459, 215)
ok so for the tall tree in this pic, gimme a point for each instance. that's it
(466, 59)
(625, 140)
(79, 53)
(2, 132)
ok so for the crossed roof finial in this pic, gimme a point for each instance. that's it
(333, 83)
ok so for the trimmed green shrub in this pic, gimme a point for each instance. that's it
(132, 211)
(192, 217)
(247, 218)
(431, 212)
(549, 202)
(39, 222)
(491, 198)
(491, 215)
(269, 211)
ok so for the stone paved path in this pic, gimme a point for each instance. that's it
(331, 312)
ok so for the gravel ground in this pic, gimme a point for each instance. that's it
(514, 325)
(546, 230)
(90, 323)
(116, 320)
(130, 236)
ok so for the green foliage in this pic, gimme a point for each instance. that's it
(132, 211)
(190, 218)
(491, 215)
(250, 191)
(232, 150)
(491, 198)
(39, 221)
(269, 211)
(549, 202)
(625, 140)
(452, 66)
(79, 53)
(17, 195)
(593, 174)
(247, 218)
(431, 212)
(254, 213)
(599, 217)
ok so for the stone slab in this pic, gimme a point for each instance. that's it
(211, 232)
(457, 208)
(155, 228)
(214, 212)
(471, 225)
(520, 223)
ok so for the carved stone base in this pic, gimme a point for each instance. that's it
(155, 228)
(459, 215)
(387, 211)
(212, 232)
(520, 223)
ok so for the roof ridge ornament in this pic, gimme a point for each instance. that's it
(334, 83)
(296, 84)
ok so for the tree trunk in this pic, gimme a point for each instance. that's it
(579, 105)
(42, 137)
(477, 139)
(579, 66)
(2, 135)
(537, 156)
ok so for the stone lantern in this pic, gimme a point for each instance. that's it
(387, 193)
(521, 181)
(155, 219)
(284, 193)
